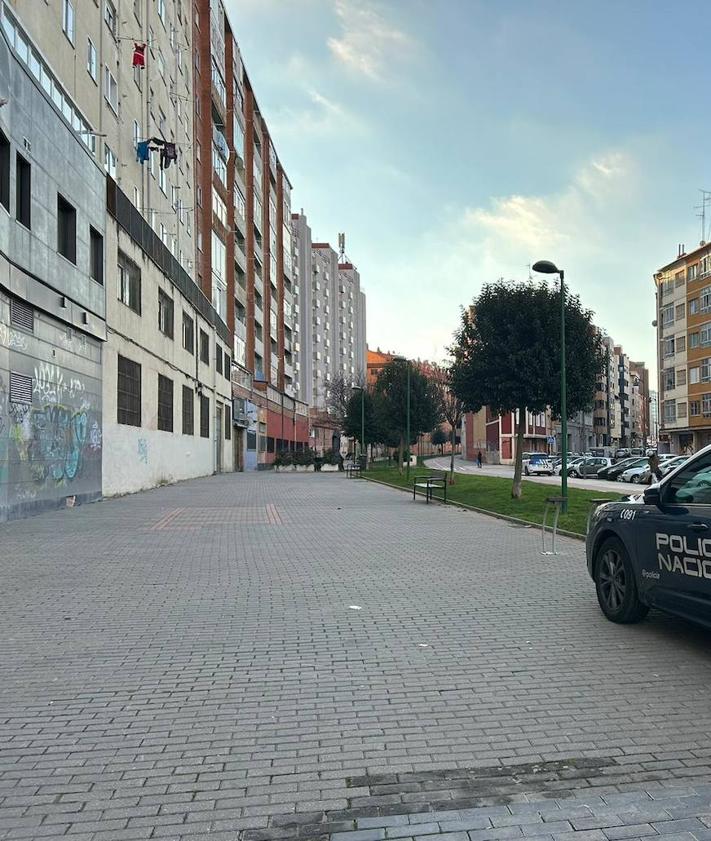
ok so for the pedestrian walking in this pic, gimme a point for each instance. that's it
(478, 459)
(654, 468)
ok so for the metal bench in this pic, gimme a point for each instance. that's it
(426, 486)
(554, 504)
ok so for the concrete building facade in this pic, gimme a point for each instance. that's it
(52, 305)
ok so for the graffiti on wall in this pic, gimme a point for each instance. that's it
(53, 444)
(13, 339)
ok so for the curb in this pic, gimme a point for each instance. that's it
(506, 517)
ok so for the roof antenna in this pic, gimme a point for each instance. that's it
(705, 202)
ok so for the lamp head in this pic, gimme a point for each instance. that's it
(545, 267)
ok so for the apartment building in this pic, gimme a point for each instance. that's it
(331, 316)
(52, 273)
(244, 242)
(683, 289)
(120, 76)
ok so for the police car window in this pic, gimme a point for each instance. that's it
(692, 484)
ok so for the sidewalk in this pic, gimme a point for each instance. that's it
(274, 656)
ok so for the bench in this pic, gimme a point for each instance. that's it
(426, 486)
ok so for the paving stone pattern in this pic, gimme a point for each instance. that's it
(188, 663)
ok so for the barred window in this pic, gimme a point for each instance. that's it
(165, 403)
(129, 392)
(188, 411)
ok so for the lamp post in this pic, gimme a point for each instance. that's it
(407, 362)
(546, 267)
(362, 415)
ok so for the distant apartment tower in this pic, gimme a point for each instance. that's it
(331, 317)
(683, 290)
(244, 249)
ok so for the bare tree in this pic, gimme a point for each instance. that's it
(338, 395)
(451, 408)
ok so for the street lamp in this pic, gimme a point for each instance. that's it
(546, 267)
(407, 362)
(361, 388)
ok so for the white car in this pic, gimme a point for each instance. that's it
(634, 474)
(571, 464)
(538, 464)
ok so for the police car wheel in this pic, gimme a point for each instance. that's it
(615, 584)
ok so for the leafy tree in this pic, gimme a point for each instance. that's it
(439, 438)
(450, 407)
(353, 418)
(507, 355)
(392, 387)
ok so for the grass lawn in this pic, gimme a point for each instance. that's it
(491, 493)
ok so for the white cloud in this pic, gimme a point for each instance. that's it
(368, 43)
(597, 227)
(319, 117)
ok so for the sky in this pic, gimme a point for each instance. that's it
(458, 141)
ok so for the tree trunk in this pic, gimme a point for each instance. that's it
(451, 461)
(518, 465)
(400, 453)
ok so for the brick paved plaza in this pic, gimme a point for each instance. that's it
(189, 663)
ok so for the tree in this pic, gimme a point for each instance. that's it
(358, 403)
(507, 355)
(450, 407)
(439, 438)
(391, 386)
(338, 394)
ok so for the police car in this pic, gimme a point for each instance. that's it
(654, 550)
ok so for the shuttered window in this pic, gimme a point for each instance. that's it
(20, 388)
(128, 392)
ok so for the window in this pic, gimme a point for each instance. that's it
(165, 314)
(66, 229)
(694, 408)
(680, 311)
(681, 376)
(162, 183)
(681, 410)
(4, 172)
(204, 347)
(110, 89)
(23, 191)
(693, 340)
(161, 11)
(228, 422)
(96, 255)
(680, 344)
(669, 346)
(690, 486)
(165, 403)
(691, 272)
(693, 306)
(670, 410)
(110, 16)
(668, 379)
(705, 335)
(129, 283)
(706, 405)
(705, 370)
(204, 417)
(668, 315)
(693, 376)
(679, 279)
(68, 20)
(91, 65)
(705, 266)
(129, 392)
(219, 208)
(110, 161)
(188, 411)
(705, 299)
(188, 334)
(240, 203)
(228, 366)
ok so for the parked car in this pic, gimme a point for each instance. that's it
(635, 474)
(668, 464)
(611, 473)
(622, 452)
(650, 550)
(572, 462)
(588, 467)
(538, 464)
(637, 451)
